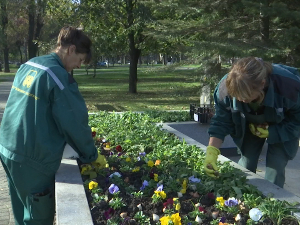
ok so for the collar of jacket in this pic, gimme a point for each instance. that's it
(58, 59)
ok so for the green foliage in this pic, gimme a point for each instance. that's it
(277, 210)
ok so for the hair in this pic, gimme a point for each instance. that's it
(73, 36)
(246, 76)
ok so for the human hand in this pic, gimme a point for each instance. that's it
(259, 130)
(210, 162)
(100, 162)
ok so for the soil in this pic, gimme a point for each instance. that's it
(207, 201)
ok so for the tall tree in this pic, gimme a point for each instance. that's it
(119, 19)
(3, 38)
(36, 13)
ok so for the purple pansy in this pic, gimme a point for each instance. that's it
(142, 153)
(113, 189)
(108, 214)
(231, 202)
(145, 184)
(160, 187)
(193, 179)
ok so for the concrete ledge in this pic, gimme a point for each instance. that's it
(71, 202)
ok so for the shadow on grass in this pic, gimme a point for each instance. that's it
(110, 108)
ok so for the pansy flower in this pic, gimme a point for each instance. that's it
(157, 162)
(150, 163)
(160, 187)
(93, 185)
(220, 200)
(211, 195)
(193, 179)
(108, 214)
(118, 148)
(231, 202)
(142, 153)
(255, 214)
(145, 184)
(155, 177)
(201, 209)
(169, 203)
(136, 169)
(128, 159)
(161, 194)
(113, 189)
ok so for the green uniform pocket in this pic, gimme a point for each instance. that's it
(42, 205)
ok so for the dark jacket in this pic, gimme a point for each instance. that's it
(282, 110)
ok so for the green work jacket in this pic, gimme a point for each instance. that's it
(44, 111)
(281, 110)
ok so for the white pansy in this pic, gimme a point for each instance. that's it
(115, 174)
(255, 214)
(179, 194)
(155, 217)
(140, 207)
(198, 220)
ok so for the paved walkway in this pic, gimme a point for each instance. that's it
(6, 215)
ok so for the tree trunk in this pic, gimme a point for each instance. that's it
(6, 63)
(134, 57)
(264, 22)
(4, 22)
(35, 19)
(31, 23)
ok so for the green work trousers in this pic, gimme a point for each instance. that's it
(276, 158)
(31, 193)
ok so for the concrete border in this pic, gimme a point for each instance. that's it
(71, 202)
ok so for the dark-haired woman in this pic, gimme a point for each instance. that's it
(44, 111)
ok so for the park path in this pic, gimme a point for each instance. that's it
(6, 214)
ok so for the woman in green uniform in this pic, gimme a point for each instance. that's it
(44, 111)
(256, 102)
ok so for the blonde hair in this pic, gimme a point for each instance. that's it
(246, 77)
(73, 36)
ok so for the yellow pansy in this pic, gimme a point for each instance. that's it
(177, 206)
(220, 200)
(136, 169)
(93, 185)
(176, 219)
(184, 184)
(156, 177)
(183, 190)
(161, 194)
(165, 220)
(128, 159)
(157, 162)
(150, 163)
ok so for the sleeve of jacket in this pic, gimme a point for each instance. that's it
(71, 116)
(221, 124)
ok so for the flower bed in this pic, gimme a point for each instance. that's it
(148, 176)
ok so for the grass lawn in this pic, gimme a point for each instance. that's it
(158, 88)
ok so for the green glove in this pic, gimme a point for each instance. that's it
(100, 162)
(260, 130)
(210, 162)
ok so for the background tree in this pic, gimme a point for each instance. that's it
(3, 34)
